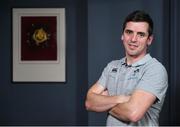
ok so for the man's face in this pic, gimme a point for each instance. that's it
(136, 38)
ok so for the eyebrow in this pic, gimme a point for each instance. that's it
(142, 33)
(128, 30)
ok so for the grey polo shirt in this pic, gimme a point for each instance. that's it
(146, 74)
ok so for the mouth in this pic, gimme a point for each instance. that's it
(132, 46)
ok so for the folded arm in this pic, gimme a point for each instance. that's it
(98, 99)
(134, 109)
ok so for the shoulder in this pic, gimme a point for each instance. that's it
(155, 67)
(154, 63)
(115, 63)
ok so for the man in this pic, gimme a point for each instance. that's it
(132, 89)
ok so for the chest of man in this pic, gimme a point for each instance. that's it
(123, 80)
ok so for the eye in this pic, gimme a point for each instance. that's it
(141, 34)
(128, 31)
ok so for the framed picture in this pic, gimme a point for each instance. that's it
(38, 45)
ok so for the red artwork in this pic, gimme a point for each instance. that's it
(38, 38)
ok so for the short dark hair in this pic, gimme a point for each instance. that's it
(139, 16)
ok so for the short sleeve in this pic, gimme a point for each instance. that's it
(104, 76)
(154, 80)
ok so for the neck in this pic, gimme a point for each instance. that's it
(132, 59)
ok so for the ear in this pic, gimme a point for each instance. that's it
(122, 37)
(150, 39)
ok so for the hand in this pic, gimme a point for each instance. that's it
(105, 93)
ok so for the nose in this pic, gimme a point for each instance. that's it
(134, 38)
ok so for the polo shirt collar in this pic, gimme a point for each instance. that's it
(142, 61)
